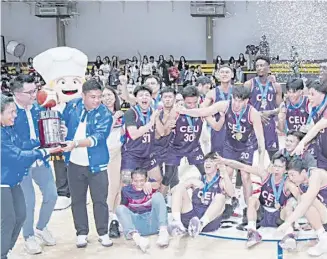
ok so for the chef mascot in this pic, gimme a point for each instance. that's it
(63, 70)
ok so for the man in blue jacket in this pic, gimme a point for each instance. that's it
(89, 123)
(26, 127)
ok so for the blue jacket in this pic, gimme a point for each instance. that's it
(98, 125)
(16, 156)
(22, 128)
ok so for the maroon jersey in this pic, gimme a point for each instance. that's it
(242, 137)
(142, 146)
(297, 114)
(186, 134)
(261, 92)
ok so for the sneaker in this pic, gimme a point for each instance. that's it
(114, 229)
(143, 243)
(228, 212)
(288, 242)
(163, 239)
(81, 241)
(254, 238)
(105, 240)
(62, 203)
(319, 248)
(46, 237)
(32, 246)
(194, 227)
(325, 227)
(176, 228)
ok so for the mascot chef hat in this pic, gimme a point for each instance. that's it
(60, 62)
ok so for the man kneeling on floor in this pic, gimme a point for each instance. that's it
(203, 211)
(143, 211)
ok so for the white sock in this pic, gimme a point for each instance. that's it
(252, 225)
(163, 229)
(320, 232)
(113, 216)
(176, 216)
(205, 221)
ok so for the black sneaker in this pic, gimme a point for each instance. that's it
(114, 229)
(325, 227)
(228, 212)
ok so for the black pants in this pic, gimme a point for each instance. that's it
(60, 169)
(80, 179)
(13, 214)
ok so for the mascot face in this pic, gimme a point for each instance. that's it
(68, 87)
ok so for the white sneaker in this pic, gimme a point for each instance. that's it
(143, 243)
(163, 239)
(32, 246)
(46, 237)
(319, 248)
(62, 203)
(176, 228)
(81, 241)
(105, 240)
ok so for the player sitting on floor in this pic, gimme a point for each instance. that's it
(203, 211)
(272, 202)
(313, 202)
(143, 211)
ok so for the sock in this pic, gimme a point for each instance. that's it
(176, 216)
(163, 229)
(252, 225)
(205, 221)
(113, 216)
(320, 232)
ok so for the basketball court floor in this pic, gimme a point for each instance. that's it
(226, 243)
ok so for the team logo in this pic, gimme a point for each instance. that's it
(215, 186)
(302, 110)
(243, 120)
(270, 88)
(183, 119)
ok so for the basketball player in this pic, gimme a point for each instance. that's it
(318, 115)
(266, 96)
(140, 134)
(143, 211)
(295, 112)
(203, 83)
(313, 202)
(203, 211)
(185, 141)
(292, 140)
(222, 92)
(275, 191)
(153, 82)
(244, 132)
(167, 120)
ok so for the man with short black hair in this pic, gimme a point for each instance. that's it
(86, 153)
(203, 83)
(266, 96)
(143, 211)
(26, 126)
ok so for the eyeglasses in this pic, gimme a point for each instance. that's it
(30, 92)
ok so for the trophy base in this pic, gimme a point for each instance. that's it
(51, 145)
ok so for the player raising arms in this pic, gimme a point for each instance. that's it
(140, 134)
(244, 132)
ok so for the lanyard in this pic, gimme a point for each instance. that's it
(277, 193)
(238, 118)
(222, 95)
(141, 115)
(156, 102)
(264, 92)
(290, 106)
(315, 110)
(207, 186)
(190, 122)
